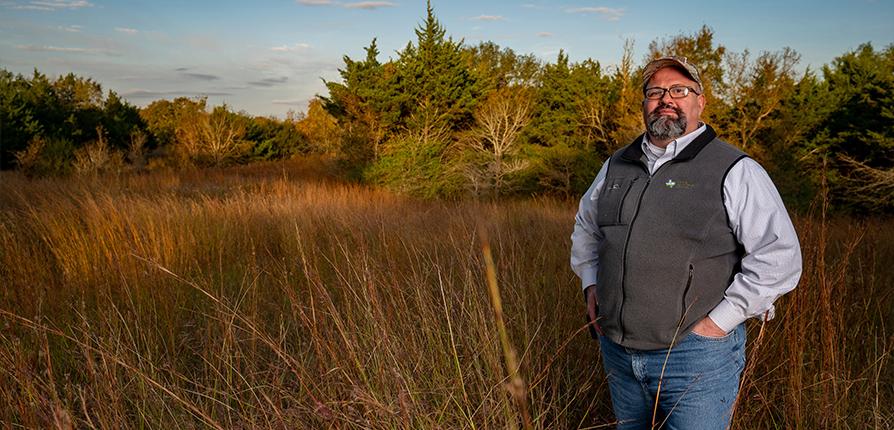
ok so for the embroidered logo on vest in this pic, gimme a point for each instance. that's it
(678, 185)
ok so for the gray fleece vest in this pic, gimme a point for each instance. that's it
(668, 253)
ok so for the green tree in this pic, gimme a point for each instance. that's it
(120, 120)
(58, 116)
(857, 137)
(412, 166)
(18, 118)
(785, 139)
(424, 99)
(571, 104)
(273, 139)
(570, 128)
(366, 104)
(497, 67)
(438, 87)
(162, 117)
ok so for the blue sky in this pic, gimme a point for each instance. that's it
(267, 57)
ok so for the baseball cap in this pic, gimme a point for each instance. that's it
(671, 61)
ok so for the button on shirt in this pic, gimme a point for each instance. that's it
(771, 265)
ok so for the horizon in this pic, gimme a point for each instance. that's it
(273, 57)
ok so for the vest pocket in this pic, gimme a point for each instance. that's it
(611, 201)
(684, 310)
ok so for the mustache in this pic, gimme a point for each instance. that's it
(663, 105)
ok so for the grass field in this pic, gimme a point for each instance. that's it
(270, 297)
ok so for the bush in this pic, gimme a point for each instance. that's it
(413, 166)
(46, 156)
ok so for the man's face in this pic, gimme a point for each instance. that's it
(668, 118)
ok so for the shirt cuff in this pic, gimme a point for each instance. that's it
(587, 277)
(726, 316)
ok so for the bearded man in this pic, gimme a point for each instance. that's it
(679, 240)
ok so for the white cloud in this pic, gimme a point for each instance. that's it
(314, 2)
(51, 5)
(35, 48)
(293, 48)
(489, 18)
(49, 48)
(369, 5)
(126, 30)
(611, 14)
(544, 34)
(71, 28)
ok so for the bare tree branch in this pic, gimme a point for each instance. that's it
(499, 121)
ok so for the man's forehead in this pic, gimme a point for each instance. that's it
(670, 72)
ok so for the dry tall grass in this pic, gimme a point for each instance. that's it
(256, 297)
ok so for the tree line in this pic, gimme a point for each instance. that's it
(446, 118)
(69, 125)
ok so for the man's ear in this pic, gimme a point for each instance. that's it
(701, 102)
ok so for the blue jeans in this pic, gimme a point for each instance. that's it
(698, 386)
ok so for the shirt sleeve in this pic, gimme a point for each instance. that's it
(771, 265)
(586, 236)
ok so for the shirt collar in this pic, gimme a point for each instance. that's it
(676, 146)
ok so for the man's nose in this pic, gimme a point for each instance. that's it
(666, 97)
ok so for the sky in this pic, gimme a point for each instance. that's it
(268, 57)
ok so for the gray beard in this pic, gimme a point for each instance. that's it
(662, 127)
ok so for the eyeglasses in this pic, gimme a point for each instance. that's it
(676, 92)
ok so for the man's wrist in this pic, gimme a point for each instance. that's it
(586, 290)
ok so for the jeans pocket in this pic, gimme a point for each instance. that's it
(713, 338)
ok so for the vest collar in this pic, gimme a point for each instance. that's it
(634, 151)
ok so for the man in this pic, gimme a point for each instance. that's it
(680, 239)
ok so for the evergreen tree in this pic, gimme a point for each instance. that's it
(439, 89)
(571, 124)
(857, 138)
(434, 93)
(274, 139)
(58, 116)
(120, 119)
(18, 119)
(367, 106)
